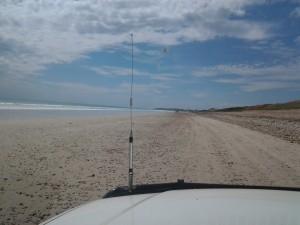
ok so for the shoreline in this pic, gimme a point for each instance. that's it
(28, 114)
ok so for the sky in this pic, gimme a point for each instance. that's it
(194, 54)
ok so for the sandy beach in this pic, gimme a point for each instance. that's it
(284, 124)
(50, 165)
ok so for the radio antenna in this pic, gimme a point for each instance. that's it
(130, 171)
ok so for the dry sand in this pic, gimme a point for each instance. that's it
(284, 124)
(48, 166)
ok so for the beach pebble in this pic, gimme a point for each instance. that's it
(42, 158)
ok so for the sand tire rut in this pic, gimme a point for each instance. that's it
(201, 149)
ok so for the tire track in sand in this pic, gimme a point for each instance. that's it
(201, 149)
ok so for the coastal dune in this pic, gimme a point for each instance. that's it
(50, 165)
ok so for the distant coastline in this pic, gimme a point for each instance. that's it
(277, 106)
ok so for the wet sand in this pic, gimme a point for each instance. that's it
(48, 166)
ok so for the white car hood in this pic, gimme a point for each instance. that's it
(189, 207)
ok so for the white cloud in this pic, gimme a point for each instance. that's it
(199, 95)
(268, 85)
(295, 13)
(165, 77)
(122, 71)
(257, 77)
(156, 88)
(39, 33)
(114, 71)
(253, 85)
(240, 69)
(276, 48)
(297, 40)
(288, 71)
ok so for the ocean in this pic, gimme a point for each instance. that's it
(15, 110)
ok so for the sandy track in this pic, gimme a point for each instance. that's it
(205, 150)
(49, 166)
